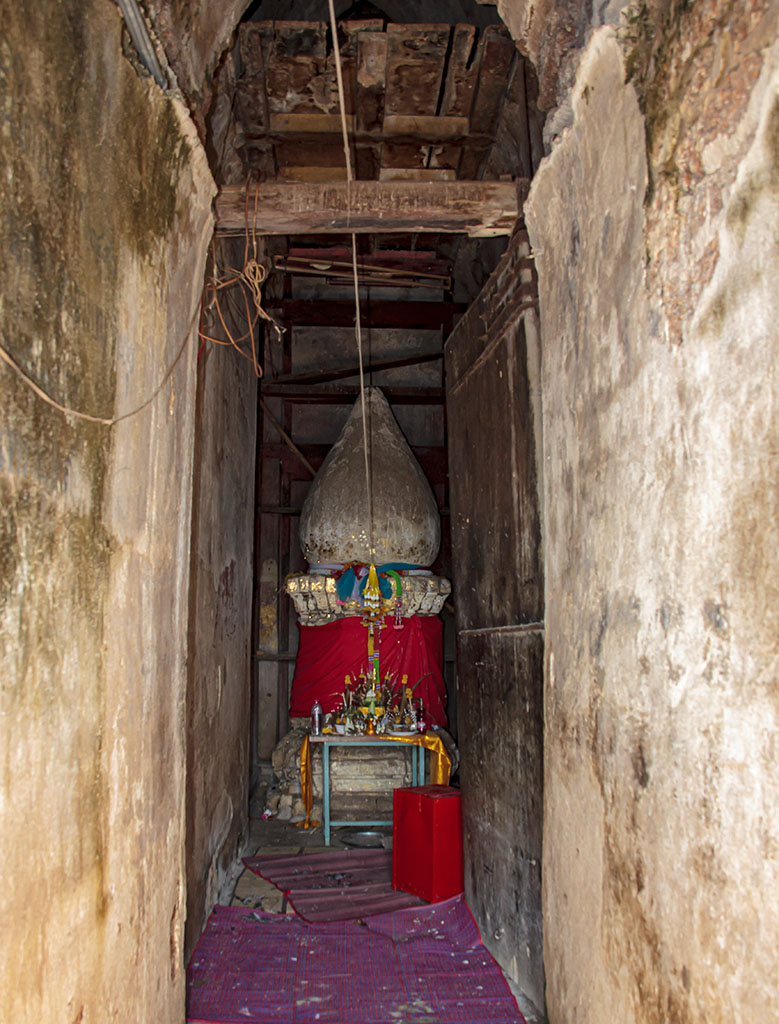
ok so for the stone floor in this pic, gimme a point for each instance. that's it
(273, 837)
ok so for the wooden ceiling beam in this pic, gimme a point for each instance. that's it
(410, 261)
(461, 75)
(496, 53)
(339, 373)
(345, 394)
(476, 208)
(416, 58)
(422, 316)
(313, 128)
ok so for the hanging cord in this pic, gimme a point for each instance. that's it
(254, 273)
(358, 329)
(250, 280)
(251, 276)
(104, 420)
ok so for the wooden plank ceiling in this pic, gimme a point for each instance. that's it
(422, 100)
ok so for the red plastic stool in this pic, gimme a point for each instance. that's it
(427, 842)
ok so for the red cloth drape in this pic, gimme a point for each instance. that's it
(327, 653)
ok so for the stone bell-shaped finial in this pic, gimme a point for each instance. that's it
(335, 520)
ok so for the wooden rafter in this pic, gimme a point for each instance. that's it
(404, 128)
(476, 208)
(345, 394)
(339, 373)
(341, 313)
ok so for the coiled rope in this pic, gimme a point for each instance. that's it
(250, 279)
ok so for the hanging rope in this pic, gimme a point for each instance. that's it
(249, 279)
(106, 421)
(358, 329)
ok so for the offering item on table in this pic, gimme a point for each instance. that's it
(368, 603)
(371, 709)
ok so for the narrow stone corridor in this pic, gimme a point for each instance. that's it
(565, 218)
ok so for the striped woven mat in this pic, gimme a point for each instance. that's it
(425, 964)
(337, 885)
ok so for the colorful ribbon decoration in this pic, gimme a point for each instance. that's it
(350, 582)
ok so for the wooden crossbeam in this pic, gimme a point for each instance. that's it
(338, 373)
(345, 394)
(404, 126)
(377, 314)
(476, 208)
(412, 261)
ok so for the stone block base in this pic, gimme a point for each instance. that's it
(362, 780)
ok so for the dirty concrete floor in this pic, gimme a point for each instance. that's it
(272, 837)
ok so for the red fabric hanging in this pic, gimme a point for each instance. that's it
(327, 653)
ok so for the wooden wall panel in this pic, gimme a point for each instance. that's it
(498, 596)
(495, 523)
(502, 785)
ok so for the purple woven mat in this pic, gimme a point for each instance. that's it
(422, 964)
(335, 886)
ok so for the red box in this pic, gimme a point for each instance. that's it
(427, 841)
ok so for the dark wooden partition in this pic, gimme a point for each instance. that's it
(498, 593)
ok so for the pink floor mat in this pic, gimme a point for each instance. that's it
(337, 885)
(425, 964)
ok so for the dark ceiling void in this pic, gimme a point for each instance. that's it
(450, 12)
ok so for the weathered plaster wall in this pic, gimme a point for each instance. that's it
(659, 312)
(218, 696)
(105, 204)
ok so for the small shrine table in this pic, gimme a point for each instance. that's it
(422, 741)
